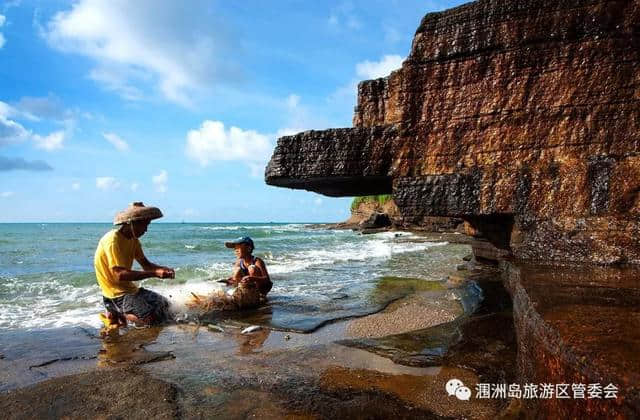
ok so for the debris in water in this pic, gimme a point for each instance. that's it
(214, 327)
(251, 329)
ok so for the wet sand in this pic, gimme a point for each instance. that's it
(412, 313)
(196, 372)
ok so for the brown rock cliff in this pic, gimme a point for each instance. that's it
(521, 117)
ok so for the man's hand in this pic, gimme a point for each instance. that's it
(165, 273)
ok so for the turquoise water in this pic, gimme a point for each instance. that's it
(47, 279)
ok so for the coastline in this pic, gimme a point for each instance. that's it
(192, 370)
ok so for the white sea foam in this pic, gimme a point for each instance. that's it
(50, 301)
(69, 306)
(379, 248)
(281, 228)
(220, 227)
(81, 306)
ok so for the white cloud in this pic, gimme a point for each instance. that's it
(345, 96)
(160, 181)
(19, 164)
(135, 186)
(116, 141)
(299, 117)
(136, 45)
(117, 80)
(12, 131)
(37, 108)
(107, 183)
(318, 201)
(212, 142)
(6, 194)
(376, 69)
(50, 142)
(75, 186)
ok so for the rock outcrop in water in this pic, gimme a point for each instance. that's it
(366, 215)
(520, 117)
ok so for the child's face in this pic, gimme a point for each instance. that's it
(242, 250)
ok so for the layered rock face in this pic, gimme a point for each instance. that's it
(520, 117)
(578, 325)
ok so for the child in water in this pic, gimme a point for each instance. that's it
(248, 271)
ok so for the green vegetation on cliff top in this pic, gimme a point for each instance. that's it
(381, 199)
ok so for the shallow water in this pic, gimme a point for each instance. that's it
(47, 279)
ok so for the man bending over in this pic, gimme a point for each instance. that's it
(113, 262)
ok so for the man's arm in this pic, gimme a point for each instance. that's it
(124, 274)
(149, 267)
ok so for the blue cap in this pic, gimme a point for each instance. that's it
(242, 240)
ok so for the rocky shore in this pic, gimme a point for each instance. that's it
(370, 216)
(194, 371)
(520, 118)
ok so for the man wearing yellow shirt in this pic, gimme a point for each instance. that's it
(113, 263)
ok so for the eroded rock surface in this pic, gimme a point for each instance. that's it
(578, 325)
(521, 117)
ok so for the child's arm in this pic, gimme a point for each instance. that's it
(260, 276)
(236, 276)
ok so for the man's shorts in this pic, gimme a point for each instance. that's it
(142, 304)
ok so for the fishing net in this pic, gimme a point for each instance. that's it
(241, 297)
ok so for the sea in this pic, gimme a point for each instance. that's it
(47, 278)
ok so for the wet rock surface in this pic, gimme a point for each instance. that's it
(520, 117)
(376, 220)
(578, 325)
(118, 393)
(38, 355)
(482, 340)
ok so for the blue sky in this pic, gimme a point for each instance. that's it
(107, 102)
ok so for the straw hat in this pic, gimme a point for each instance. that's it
(137, 211)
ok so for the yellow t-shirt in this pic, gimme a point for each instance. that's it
(115, 250)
